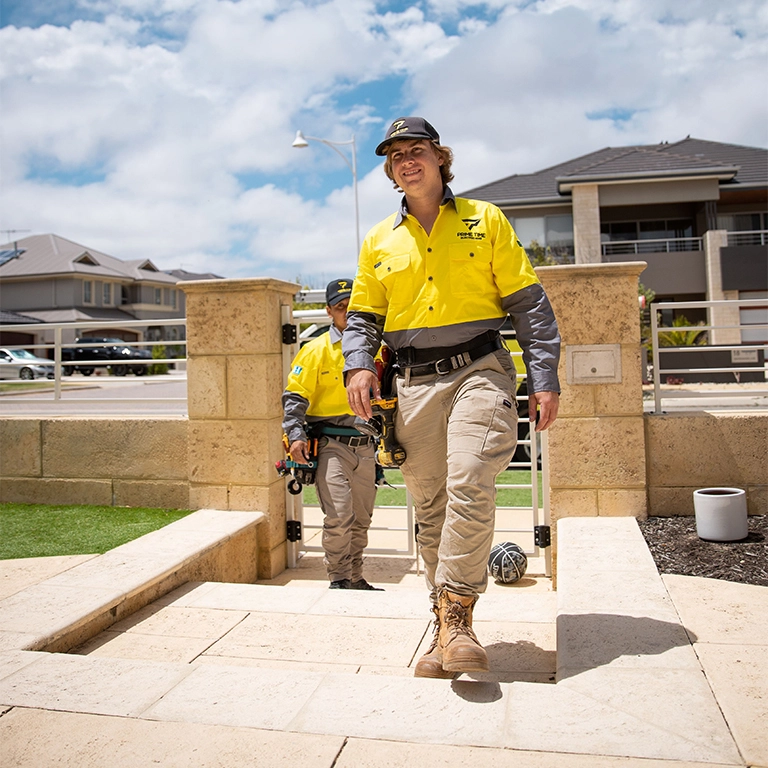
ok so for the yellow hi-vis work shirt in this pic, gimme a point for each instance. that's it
(457, 274)
(316, 376)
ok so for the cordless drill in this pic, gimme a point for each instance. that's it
(381, 428)
(301, 474)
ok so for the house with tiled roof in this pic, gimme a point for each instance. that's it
(51, 279)
(696, 211)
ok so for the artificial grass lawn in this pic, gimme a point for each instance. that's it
(41, 530)
(395, 497)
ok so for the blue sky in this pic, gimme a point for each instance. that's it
(163, 128)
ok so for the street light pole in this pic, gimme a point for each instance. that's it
(301, 141)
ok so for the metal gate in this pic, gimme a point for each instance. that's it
(525, 520)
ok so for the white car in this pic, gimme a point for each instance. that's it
(20, 364)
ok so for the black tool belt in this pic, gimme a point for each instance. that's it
(443, 360)
(350, 440)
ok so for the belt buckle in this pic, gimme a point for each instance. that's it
(438, 369)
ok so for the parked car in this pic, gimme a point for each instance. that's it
(20, 364)
(113, 353)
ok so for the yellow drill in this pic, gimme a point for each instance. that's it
(382, 428)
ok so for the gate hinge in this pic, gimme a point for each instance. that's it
(289, 334)
(542, 536)
(293, 530)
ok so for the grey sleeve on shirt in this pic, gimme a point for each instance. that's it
(537, 333)
(294, 415)
(361, 340)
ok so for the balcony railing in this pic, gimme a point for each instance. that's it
(635, 247)
(754, 237)
(720, 361)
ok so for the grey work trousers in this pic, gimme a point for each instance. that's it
(459, 432)
(346, 490)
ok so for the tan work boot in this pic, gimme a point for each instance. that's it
(429, 664)
(458, 647)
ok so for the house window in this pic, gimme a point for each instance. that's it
(106, 293)
(173, 298)
(158, 295)
(87, 292)
(555, 233)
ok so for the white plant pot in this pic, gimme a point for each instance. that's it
(721, 514)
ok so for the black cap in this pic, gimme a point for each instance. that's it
(407, 128)
(337, 291)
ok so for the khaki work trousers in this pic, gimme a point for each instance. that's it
(459, 432)
(346, 490)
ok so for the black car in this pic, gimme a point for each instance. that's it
(111, 352)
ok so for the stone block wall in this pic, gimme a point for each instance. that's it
(121, 461)
(687, 451)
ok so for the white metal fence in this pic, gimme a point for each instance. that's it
(62, 369)
(729, 360)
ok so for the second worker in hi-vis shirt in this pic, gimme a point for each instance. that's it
(315, 399)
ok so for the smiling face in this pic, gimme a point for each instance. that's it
(415, 167)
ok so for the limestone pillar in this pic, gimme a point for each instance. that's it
(597, 444)
(234, 383)
(722, 315)
(586, 223)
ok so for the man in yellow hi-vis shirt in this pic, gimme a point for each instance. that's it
(315, 398)
(436, 281)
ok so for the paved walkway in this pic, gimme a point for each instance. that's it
(618, 668)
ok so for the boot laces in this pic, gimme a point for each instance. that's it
(456, 619)
(436, 633)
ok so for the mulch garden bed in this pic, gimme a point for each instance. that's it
(676, 548)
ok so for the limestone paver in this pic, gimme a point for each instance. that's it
(513, 605)
(716, 611)
(180, 621)
(364, 753)
(739, 678)
(237, 696)
(33, 737)
(305, 666)
(669, 714)
(133, 645)
(256, 597)
(385, 605)
(344, 639)
(591, 591)
(11, 661)
(406, 709)
(92, 685)
(45, 608)
(18, 574)
(12, 641)
(586, 641)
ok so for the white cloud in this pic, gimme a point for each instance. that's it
(166, 106)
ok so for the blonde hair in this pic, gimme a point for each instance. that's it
(446, 153)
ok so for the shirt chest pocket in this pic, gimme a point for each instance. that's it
(470, 268)
(395, 274)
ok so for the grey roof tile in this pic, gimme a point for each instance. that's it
(686, 156)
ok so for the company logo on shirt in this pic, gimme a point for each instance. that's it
(297, 369)
(471, 224)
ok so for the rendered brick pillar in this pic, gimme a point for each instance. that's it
(597, 444)
(234, 384)
(714, 240)
(586, 223)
